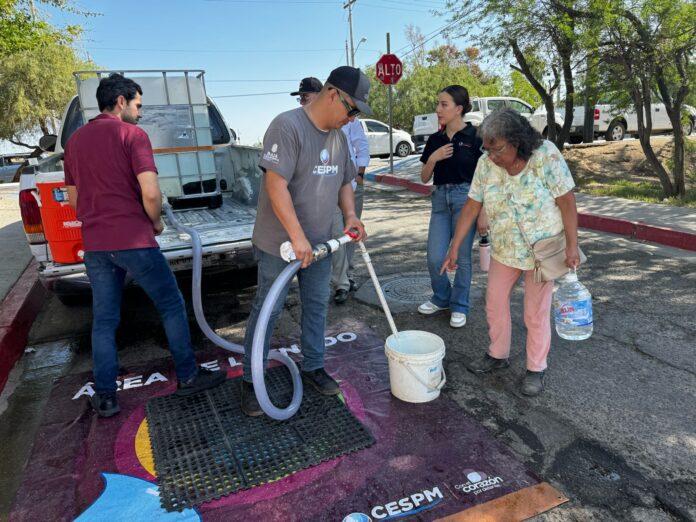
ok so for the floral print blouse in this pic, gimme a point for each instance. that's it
(527, 197)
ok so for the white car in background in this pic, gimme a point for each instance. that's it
(426, 124)
(378, 139)
(613, 124)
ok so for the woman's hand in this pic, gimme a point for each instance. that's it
(572, 256)
(450, 262)
(482, 223)
(443, 152)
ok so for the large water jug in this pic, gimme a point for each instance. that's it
(572, 309)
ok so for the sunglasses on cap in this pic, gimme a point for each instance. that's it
(352, 111)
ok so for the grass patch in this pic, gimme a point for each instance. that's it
(640, 191)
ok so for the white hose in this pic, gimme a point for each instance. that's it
(257, 362)
(261, 325)
(378, 289)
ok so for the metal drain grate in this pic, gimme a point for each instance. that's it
(205, 448)
(413, 289)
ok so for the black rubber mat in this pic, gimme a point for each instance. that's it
(205, 448)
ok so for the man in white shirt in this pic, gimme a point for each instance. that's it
(341, 260)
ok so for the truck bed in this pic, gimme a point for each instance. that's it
(232, 222)
(225, 234)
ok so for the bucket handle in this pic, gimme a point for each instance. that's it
(439, 386)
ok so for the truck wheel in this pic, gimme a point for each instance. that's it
(545, 133)
(616, 131)
(403, 149)
(687, 127)
(575, 139)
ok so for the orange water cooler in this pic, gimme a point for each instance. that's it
(62, 229)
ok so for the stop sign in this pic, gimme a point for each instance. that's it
(389, 69)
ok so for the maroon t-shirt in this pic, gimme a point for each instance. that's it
(102, 160)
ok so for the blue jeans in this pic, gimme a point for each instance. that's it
(447, 201)
(314, 293)
(149, 268)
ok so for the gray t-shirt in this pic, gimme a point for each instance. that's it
(316, 165)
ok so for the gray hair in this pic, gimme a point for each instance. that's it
(510, 126)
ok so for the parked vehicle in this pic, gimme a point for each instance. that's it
(192, 179)
(423, 126)
(9, 164)
(378, 139)
(426, 124)
(613, 124)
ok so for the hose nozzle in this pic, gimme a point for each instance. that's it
(319, 251)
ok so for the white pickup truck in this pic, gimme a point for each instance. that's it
(613, 124)
(426, 124)
(225, 220)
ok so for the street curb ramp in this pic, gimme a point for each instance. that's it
(17, 313)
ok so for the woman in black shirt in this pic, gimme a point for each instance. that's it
(451, 155)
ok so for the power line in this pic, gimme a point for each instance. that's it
(398, 5)
(250, 94)
(217, 50)
(426, 39)
(249, 81)
(394, 8)
(314, 2)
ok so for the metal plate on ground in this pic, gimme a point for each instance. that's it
(204, 447)
(404, 292)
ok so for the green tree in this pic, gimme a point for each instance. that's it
(541, 35)
(519, 87)
(416, 92)
(36, 65)
(648, 47)
(35, 86)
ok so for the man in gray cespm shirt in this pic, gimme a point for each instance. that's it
(308, 170)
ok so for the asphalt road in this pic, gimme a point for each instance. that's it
(615, 429)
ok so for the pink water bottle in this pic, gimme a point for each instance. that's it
(484, 253)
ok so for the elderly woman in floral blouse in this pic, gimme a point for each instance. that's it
(523, 182)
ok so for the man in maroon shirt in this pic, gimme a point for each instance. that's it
(112, 182)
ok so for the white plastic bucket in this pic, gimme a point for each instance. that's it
(415, 365)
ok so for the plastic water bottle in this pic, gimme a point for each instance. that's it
(572, 309)
(484, 253)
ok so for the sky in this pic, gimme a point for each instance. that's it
(246, 47)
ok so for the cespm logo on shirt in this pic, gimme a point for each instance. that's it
(325, 169)
(272, 155)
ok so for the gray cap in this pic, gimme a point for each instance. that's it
(354, 83)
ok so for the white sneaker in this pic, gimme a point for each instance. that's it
(429, 308)
(457, 320)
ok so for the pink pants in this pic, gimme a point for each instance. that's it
(537, 312)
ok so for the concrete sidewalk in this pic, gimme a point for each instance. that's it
(21, 293)
(13, 242)
(664, 224)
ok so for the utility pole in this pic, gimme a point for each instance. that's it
(391, 130)
(349, 5)
(347, 58)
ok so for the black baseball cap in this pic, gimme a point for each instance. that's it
(309, 84)
(354, 83)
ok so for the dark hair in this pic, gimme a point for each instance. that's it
(460, 96)
(509, 125)
(114, 86)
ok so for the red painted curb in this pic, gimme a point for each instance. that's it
(636, 230)
(639, 230)
(400, 182)
(17, 313)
